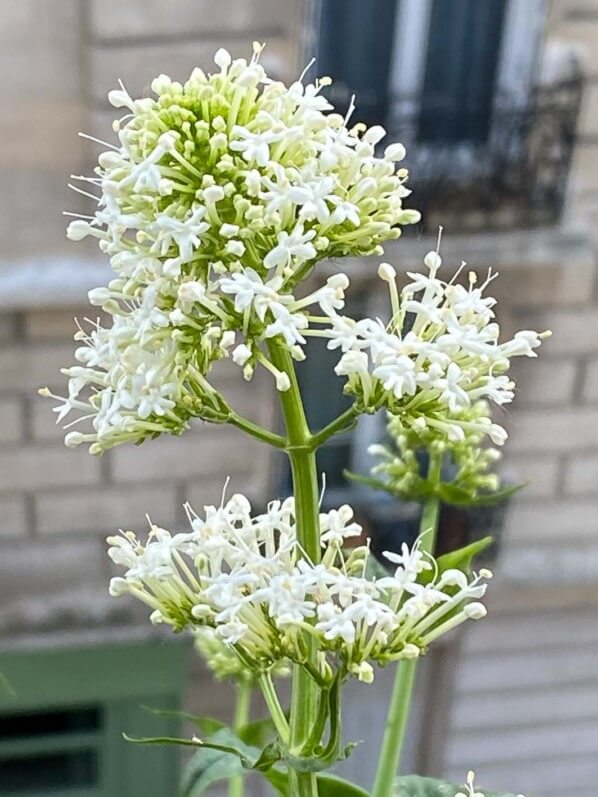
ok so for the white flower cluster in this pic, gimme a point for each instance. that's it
(244, 576)
(436, 359)
(220, 197)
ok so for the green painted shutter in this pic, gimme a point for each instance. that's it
(355, 49)
(63, 713)
(460, 73)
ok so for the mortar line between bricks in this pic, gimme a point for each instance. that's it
(187, 37)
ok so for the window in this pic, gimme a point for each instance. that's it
(63, 713)
(431, 69)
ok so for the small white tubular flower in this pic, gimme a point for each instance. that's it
(220, 196)
(438, 365)
(243, 577)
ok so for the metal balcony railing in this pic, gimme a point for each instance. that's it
(508, 170)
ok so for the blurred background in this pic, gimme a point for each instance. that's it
(497, 103)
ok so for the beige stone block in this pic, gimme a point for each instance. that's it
(43, 419)
(40, 48)
(533, 285)
(138, 65)
(581, 475)
(590, 386)
(13, 517)
(539, 473)
(31, 221)
(7, 327)
(550, 431)
(36, 467)
(574, 331)
(111, 19)
(217, 452)
(106, 510)
(11, 421)
(555, 776)
(27, 368)
(44, 325)
(209, 491)
(41, 133)
(543, 382)
(582, 178)
(566, 522)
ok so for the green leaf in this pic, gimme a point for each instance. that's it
(333, 786)
(488, 499)
(369, 481)
(414, 786)
(258, 732)
(207, 725)
(452, 494)
(462, 558)
(328, 785)
(208, 767)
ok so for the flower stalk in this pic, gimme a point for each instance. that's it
(400, 702)
(302, 459)
(236, 785)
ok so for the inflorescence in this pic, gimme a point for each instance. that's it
(245, 577)
(219, 199)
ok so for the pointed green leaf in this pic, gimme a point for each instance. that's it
(415, 786)
(462, 558)
(489, 499)
(368, 481)
(207, 725)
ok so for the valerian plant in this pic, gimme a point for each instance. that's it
(217, 202)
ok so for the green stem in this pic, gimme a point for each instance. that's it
(343, 423)
(400, 702)
(274, 707)
(242, 702)
(304, 699)
(265, 435)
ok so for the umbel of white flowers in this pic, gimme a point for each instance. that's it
(218, 200)
(438, 363)
(244, 577)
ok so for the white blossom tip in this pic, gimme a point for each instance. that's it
(222, 58)
(44, 391)
(74, 439)
(475, 611)
(433, 261)
(387, 272)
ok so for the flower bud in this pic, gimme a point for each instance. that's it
(386, 272)
(394, 152)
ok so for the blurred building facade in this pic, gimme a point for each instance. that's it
(517, 697)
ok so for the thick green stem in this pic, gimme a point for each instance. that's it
(242, 702)
(302, 458)
(400, 702)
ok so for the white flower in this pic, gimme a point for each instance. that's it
(291, 246)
